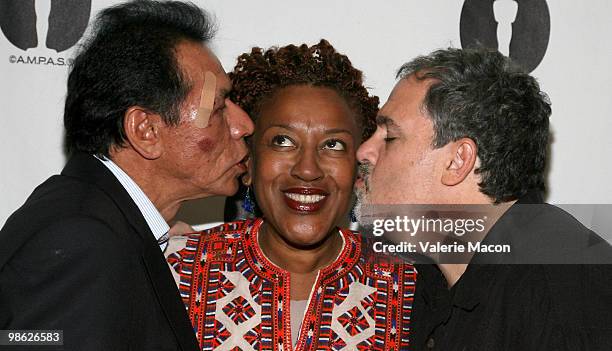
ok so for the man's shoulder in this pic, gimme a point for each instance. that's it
(546, 234)
(59, 197)
(546, 218)
(61, 206)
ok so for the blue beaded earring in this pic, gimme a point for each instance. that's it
(352, 217)
(247, 203)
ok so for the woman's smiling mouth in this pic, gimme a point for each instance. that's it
(306, 200)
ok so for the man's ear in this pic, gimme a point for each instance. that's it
(143, 132)
(462, 159)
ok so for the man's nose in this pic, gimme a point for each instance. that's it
(368, 152)
(239, 122)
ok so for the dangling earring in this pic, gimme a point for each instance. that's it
(247, 203)
(353, 220)
(352, 216)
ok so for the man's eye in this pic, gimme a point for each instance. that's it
(221, 109)
(336, 145)
(282, 141)
(389, 139)
(217, 112)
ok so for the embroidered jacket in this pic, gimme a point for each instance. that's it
(238, 300)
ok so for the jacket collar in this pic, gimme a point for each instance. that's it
(87, 168)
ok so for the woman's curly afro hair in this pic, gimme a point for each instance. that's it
(258, 75)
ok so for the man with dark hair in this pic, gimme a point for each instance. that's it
(148, 126)
(468, 128)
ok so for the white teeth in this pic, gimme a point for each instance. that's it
(307, 199)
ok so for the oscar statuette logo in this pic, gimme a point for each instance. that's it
(519, 29)
(43, 28)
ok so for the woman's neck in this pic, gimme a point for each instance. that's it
(299, 260)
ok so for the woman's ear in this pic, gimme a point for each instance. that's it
(247, 177)
(462, 158)
(143, 132)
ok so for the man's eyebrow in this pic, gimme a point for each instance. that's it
(386, 121)
(221, 96)
(223, 92)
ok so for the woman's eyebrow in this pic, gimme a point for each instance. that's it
(327, 131)
(337, 130)
(278, 125)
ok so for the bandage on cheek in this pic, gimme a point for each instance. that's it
(207, 100)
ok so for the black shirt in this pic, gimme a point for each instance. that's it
(519, 306)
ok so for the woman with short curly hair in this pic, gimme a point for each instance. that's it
(291, 279)
(258, 75)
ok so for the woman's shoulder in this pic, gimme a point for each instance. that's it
(223, 234)
(189, 252)
(228, 230)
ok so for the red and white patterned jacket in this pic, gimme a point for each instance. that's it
(238, 300)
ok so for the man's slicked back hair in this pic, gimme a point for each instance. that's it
(129, 60)
(480, 94)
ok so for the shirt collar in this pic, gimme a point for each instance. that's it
(154, 219)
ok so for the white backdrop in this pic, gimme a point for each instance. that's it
(378, 37)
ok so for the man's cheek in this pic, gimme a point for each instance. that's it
(206, 145)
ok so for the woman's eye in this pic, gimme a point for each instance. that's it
(335, 145)
(282, 141)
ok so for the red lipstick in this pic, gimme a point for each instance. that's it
(306, 200)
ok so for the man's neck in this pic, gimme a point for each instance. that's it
(453, 272)
(153, 184)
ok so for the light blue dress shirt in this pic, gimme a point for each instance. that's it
(154, 219)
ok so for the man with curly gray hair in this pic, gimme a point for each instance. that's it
(469, 128)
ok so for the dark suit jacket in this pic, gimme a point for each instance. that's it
(78, 256)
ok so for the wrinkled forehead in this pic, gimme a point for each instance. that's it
(206, 79)
(405, 107)
(196, 59)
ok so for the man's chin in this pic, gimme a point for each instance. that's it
(230, 189)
